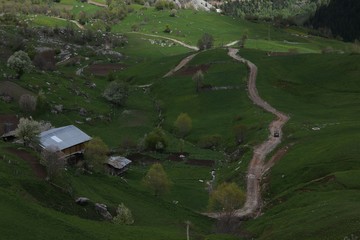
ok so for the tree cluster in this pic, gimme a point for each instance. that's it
(338, 18)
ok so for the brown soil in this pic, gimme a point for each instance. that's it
(138, 158)
(104, 69)
(13, 90)
(38, 169)
(191, 70)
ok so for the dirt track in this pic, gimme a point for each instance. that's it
(256, 169)
(180, 65)
(171, 39)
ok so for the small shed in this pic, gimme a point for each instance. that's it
(117, 165)
(69, 139)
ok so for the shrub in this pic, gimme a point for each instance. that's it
(95, 154)
(156, 140)
(173, 13)
(164, 4)
(183, 124)
(117, 93)
(124, 215)
(20, 62)
(210, 141)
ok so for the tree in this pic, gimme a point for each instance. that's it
(95, 154)
(117, 93)
(52, 159)
(27, 103)
(157, 180)
(198, 78)
(227, 197)
(156, 140)
(183, 124)
(28, 131)
(124, 215)
(20, 62)
(242, 42)
(205, 42)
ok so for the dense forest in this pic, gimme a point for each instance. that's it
(271, 8)
(340, 18)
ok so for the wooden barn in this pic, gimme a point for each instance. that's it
(69, 139)
(116, 165)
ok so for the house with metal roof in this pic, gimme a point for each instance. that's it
(116, 165)
(69, 139)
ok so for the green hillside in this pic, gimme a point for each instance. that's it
(312, 192)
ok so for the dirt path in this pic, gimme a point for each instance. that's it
(97, 4)
(180, 65)
(171, 39)
(256, 169)
(73, 21)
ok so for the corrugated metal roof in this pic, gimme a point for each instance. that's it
(118, 162)
(63, 137)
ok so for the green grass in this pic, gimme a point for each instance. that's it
(312, 192)
(212, 112)
(23, 196)
(189, 26)
(41, 20)
(313, 188)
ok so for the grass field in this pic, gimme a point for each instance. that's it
(312, 192)
(309, 181)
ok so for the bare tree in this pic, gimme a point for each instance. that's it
(53, 159)
(205, 42)
(27, 103)
(198, 78)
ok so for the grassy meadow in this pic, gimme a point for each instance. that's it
(311, 193)
(316, 181)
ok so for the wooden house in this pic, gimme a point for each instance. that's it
(69, 139)
(116, 165)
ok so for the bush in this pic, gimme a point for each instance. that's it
(156, 140)
(173, 13)
(210, 141)
(164, 4)
(95, 154)
(124, 215)
(20, 62)
(183, 124)
(117, 93)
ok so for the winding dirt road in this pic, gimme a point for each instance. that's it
(256, 169)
